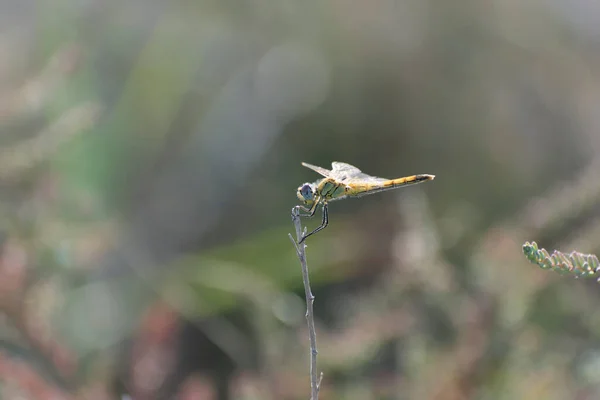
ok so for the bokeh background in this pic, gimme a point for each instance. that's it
(149, 157)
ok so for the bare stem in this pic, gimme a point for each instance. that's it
(315, 381)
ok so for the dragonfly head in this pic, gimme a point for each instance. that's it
(306, 193)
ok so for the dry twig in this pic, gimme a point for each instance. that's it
(315, 380)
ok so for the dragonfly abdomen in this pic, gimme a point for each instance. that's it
(363, 189)
(407, 180)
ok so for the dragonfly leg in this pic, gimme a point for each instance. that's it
(324, 223)
(297, 210)
(309, 212)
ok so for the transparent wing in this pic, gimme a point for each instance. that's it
(325, 172)
(349, 173)
(340, 167)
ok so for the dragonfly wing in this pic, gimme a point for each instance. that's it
(363, 178)
(323, 171)
(343, 167)
(346, 172)
(355, 178)
(370, 179)
(350, 174)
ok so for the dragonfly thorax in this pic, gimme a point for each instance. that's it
(306, 192)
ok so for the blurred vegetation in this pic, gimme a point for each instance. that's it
(149, 157)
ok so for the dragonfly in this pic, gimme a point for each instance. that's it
(340, 182)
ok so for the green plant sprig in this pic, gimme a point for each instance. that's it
(578, 264)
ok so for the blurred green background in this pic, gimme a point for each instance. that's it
(149, 156)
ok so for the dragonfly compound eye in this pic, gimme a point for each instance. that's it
(305, 192)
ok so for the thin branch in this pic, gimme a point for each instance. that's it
(315, 381)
